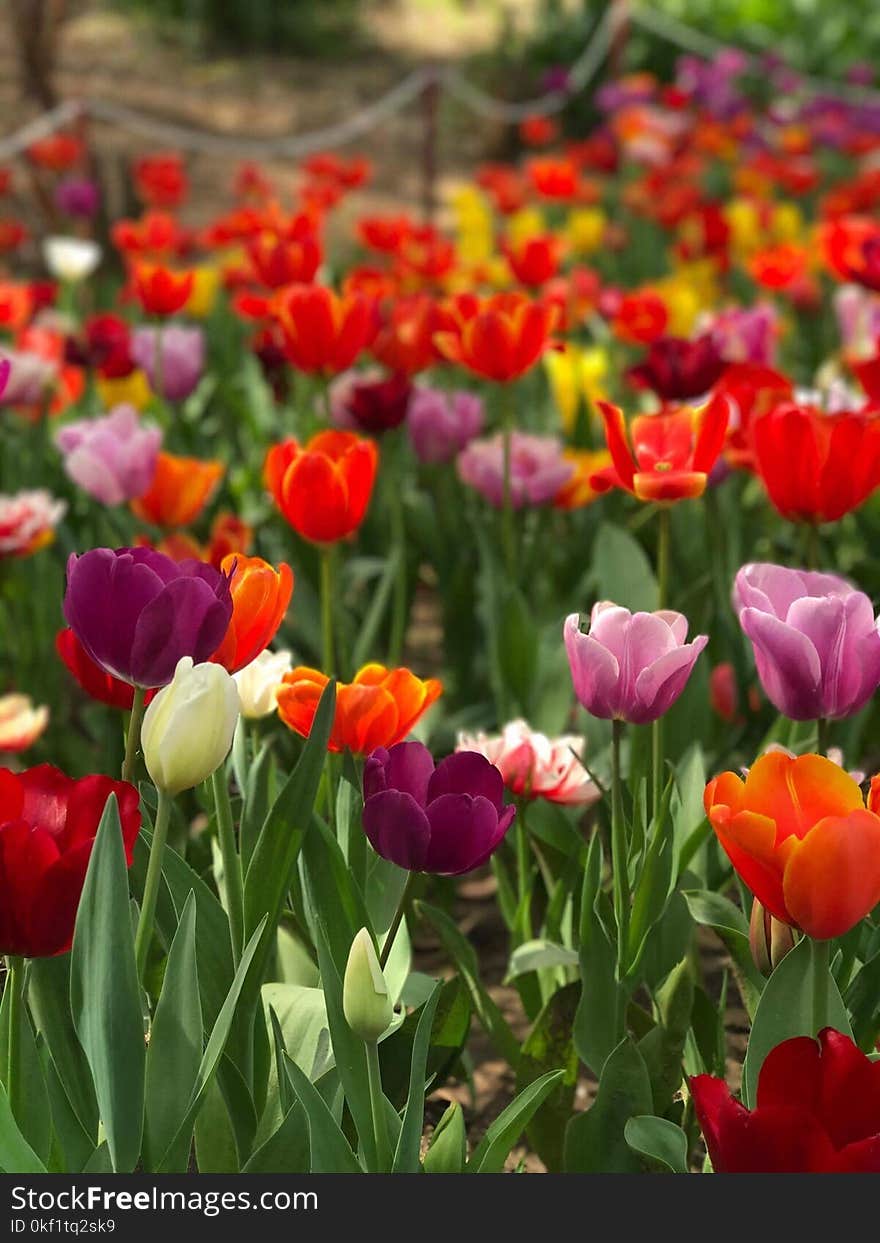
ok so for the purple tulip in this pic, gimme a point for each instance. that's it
(77, 196)
(538, 469)
(112, 458)
(447, 819)
(441, 424)
(630, 666)
(183, 358)
(815, 640)
(137, 612)
(5, 369)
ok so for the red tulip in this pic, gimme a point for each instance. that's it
(48, 823)
(90, 677)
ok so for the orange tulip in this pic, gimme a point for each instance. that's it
(323, 333)
(798, 833)
(161, 291)
(499, 337)
(377, 709)
(323, 488)
(260, 596)
(578, 491)
(179, 492)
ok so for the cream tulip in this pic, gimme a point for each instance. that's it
(188, 727)
(258, 681)
(71, 259)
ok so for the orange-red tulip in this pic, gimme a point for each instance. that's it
(377, 709)
(323, 488)
(161, 291)
(798, 833)
(323, 333)
(260, 596)
(179, 492)
(500, 337)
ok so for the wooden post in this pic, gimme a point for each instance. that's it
(430, 111)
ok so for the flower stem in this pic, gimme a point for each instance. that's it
(523, 869)
(657, 766)
(377, 1107)
(134, 733)
(327, 590)
(508, 532)
(619, 851)
(231, 862)
(144, 934)
(663, 542)
(822, 735)
(819, 964)
(15, 984)
(390, 935)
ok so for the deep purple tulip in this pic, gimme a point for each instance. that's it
(78, 196)
(441, 424)
(183, 358)
(137, 612)
(817, 650)
(630, 666)
(447, 819)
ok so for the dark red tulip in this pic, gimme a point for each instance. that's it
(677, 369)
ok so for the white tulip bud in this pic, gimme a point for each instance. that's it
(71, 259)
(365, 999)
(188, 727)
(258, 681)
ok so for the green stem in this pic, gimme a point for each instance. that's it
(231, 862)
(619, 851)
(377, 1107)
(144, 934)
(391, 934)
(398, 545)
(134, 733)
(523, 869)
(656, 766)
(663, 542)
(813, 546)
(819, 968)
(508, 530)
(327, 590)
(822, 730)
(15, 983)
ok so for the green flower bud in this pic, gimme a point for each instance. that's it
(365, 999)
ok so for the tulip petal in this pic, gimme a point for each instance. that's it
(464, 831)
(832, 877)
(659, 686)
(787, 664)
(398, 829)
(849, 1097)
(594, 671)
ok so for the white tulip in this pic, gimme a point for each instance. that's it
(71, 259)
(188, 727)
(258, 681)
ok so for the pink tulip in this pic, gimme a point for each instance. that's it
(113, 458)
(534, 765)
(630, 666)
(538, 469)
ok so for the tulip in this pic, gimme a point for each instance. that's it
(769, 939)
(747, 334)
(538, 469)
(90, 677)
(630, 666)
(281, 261)
(323, 488)
(404, 342)
(499, 338)
(850, 247)
(29, 377)
(21, 724)
(258, 682)
(71, 259)
(815, 640)
(188, 727)
(137, 612)
(754, 390)
(817, 467)
(365, 1000)
(445, 820)
(181, 488)
(577, 492)
(369, 402)
(160, 291)
(377, 709)
(672, 452)
(5, 369)
(817, 1112)
(112, 458)
(677, 369)
(799, 834)
(78, 197)
(178, 369)
(535, 766)
(441, 423)
(28, 521)
(322, 333)
(48, 823)
(260, 597)
(535, 260)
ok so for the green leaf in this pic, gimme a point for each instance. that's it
(330, 1151)
(447, 1151)
(213, 1050)
(365, 644)
(105, 996)
(493, 1149)
(175, 1049)
(516, 639)
(49, 1004)
(534, 955)
(786, 1010)
(32, 1114)
(595, 1025)
(719, 913)
(622, 571)
(659, 1140)
(663, 1047)
(16, 1154)
(594, 1141)
(256, 802)
(465, 958)
(332, 887)
(549, 1045)
(214, 1137)
(406, 1156)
